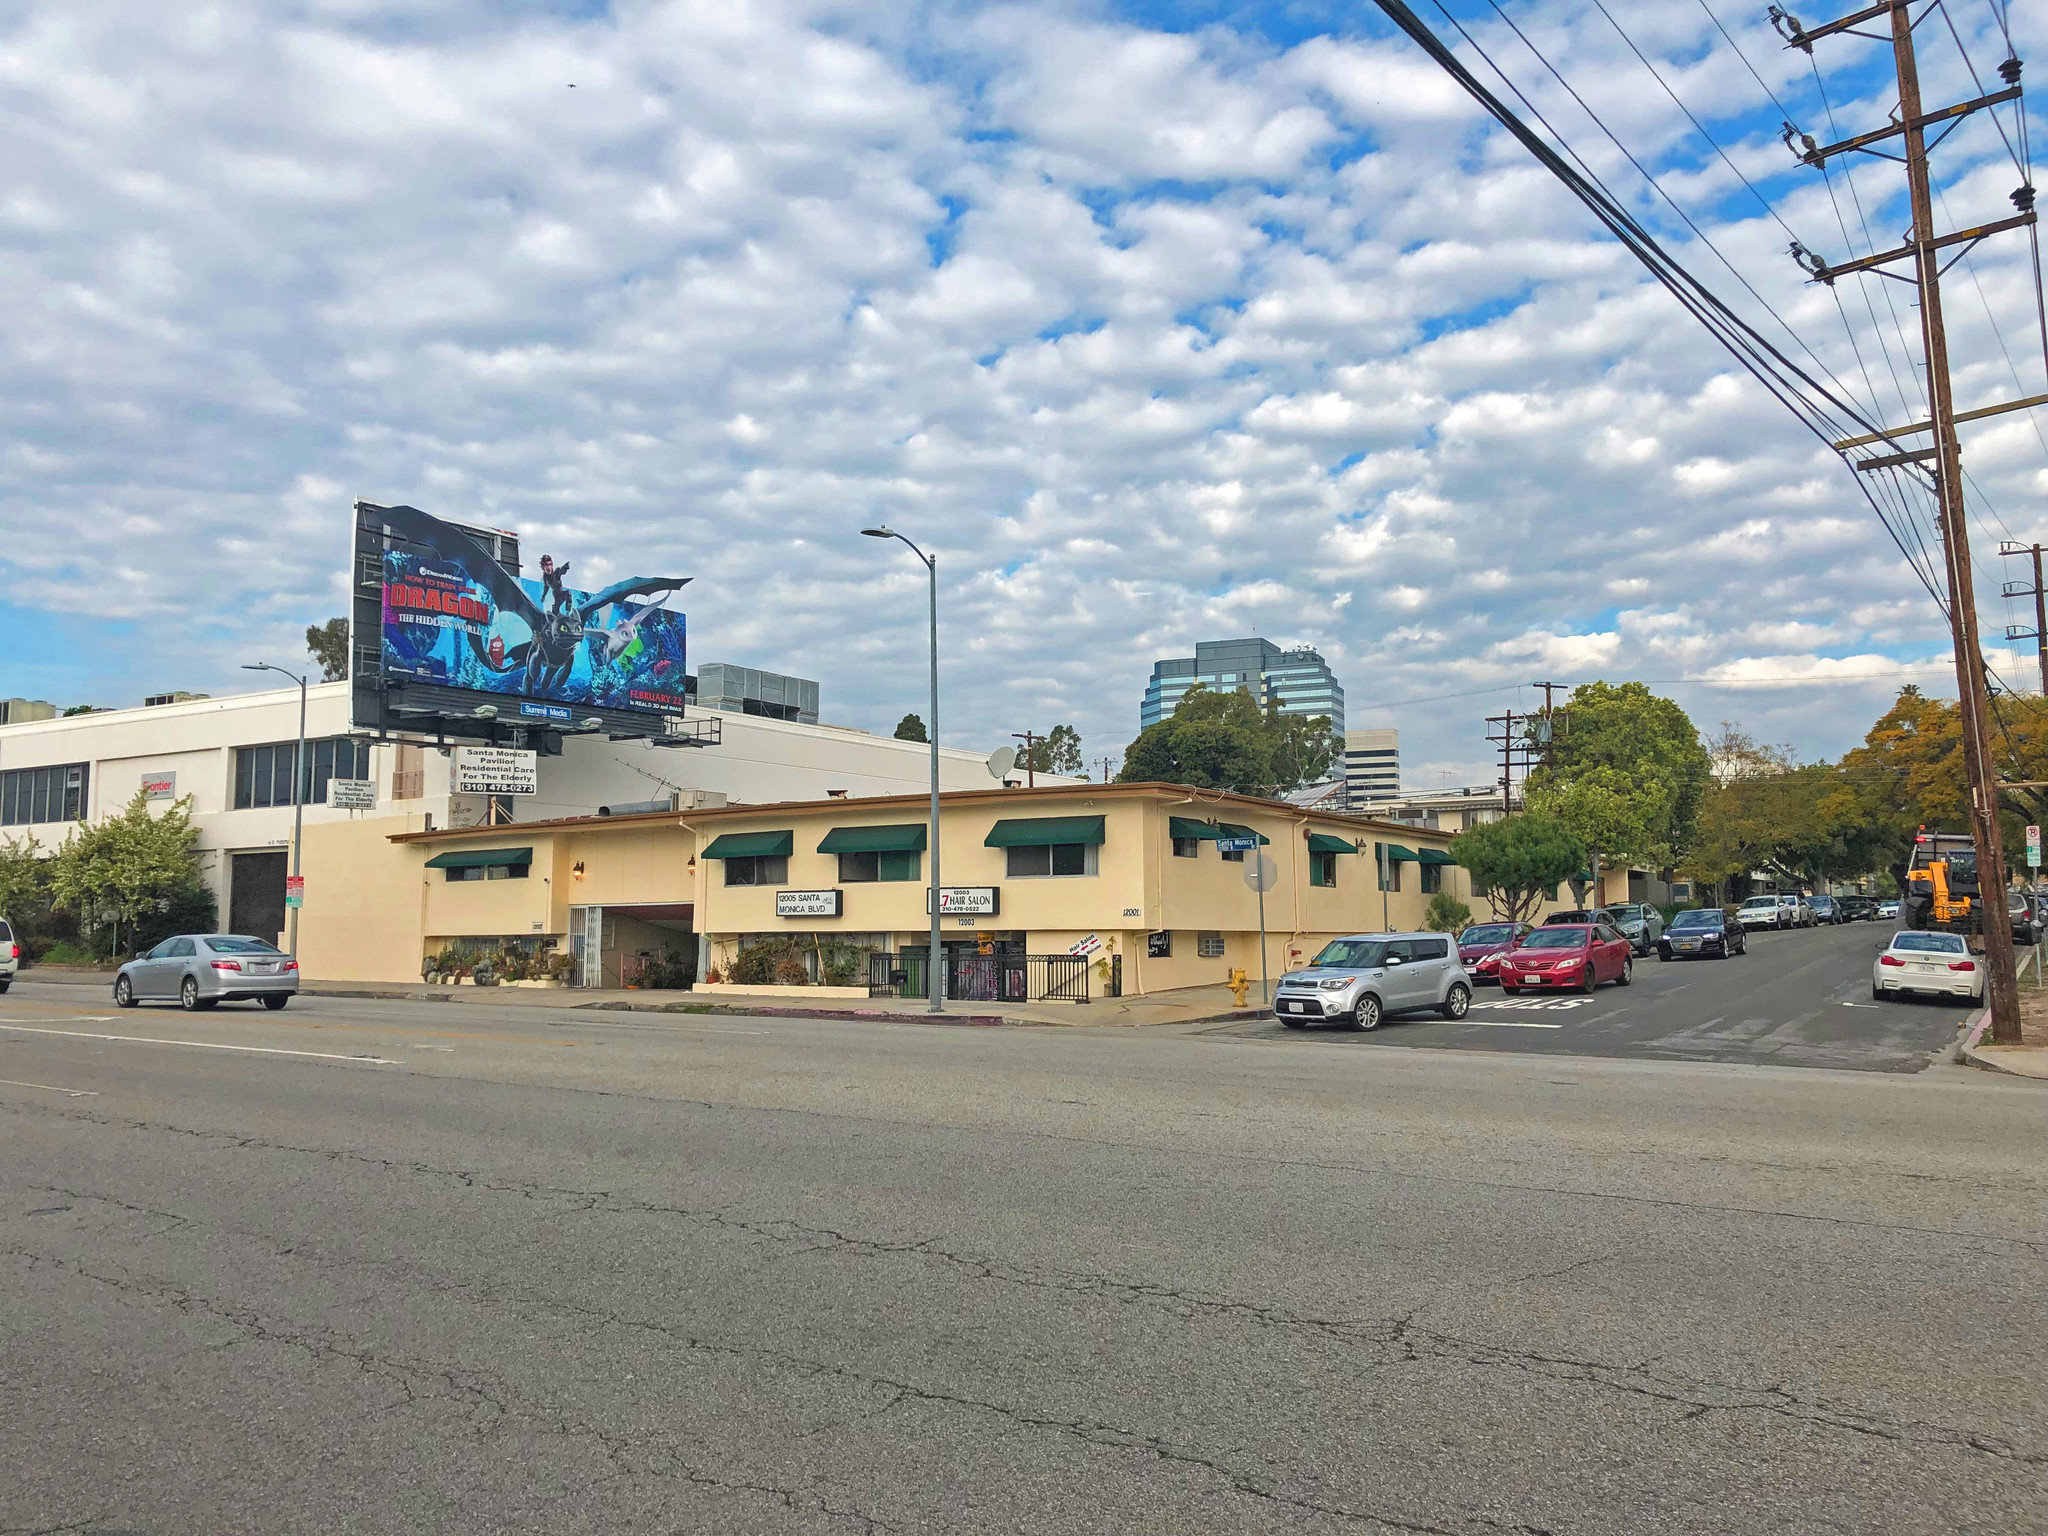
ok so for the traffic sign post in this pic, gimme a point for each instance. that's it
(1261, 874)
(295, 890)
(2034, 880)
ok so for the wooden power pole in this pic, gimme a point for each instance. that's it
(1945, 457)
(2039, 633)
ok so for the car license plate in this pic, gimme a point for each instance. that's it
(1688, 943)
(263, 968)
(1294, 1007)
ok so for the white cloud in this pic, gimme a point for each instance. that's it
(1153, 335)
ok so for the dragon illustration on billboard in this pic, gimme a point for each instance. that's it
(453, 615)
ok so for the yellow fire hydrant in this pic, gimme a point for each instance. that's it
(1239, 985)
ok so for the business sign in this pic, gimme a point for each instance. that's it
(454, 616)
(2033, 847)
(495, 771)
(968, 901)
(809, 903)
(1087, 946)
(1159, 946)
(352, 794)
(295, 890)
(1236, 844)
(159, 786)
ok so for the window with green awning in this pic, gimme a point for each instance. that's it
(900, 839)
(750, 845)
(1394, 853)
(1322, 842)
(1433, 856)
(1044, 831)
(481, 858)
(1185, 826)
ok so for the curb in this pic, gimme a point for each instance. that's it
(1968, 1054)
(865, 1015)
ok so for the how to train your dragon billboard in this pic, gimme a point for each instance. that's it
(445, 624)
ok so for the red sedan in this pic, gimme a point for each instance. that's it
(1481, 946)
(1573, 957)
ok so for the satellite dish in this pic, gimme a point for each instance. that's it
(1001, 761)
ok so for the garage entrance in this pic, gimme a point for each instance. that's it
(256, 894)
(648, 943)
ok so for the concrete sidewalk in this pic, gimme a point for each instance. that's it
(1188, 1005)
(2027, 1059)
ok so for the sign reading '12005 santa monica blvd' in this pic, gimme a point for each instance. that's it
(808, 903)
(967, 900)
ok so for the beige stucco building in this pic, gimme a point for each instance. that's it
(1130, 877)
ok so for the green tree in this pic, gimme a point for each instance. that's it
(1446, 914)
(129, 867)
(1057, 751)
(24, 879)
(328, 644)
(1517, 861)
(911, 728)
(1223, 740)
(1627, 777)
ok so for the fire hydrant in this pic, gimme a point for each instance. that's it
(1239, 985)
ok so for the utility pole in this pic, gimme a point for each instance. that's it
(1030, 739)
(2039, 633)
(1512, 737)
(1105, 761)
(1945, 456)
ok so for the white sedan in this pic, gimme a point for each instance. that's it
(1927, 962)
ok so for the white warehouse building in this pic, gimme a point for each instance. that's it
(233, 757)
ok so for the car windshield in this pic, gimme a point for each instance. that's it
(1556, 938)
(1626, 909)
(1929, 943)
(241, 947)
(1487, 933)
(1702, 919)
(1353, 954)
(1761, 901)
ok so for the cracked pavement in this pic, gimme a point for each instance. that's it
(558, 1274)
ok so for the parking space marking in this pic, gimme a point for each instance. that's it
(1511, 1024)
(203, 1045)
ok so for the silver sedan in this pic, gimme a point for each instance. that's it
(202, 970)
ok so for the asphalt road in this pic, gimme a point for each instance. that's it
(1800, 998)
(402, 1268)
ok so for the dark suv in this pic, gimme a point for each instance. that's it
(1857, 909)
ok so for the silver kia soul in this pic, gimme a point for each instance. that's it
(1359, 980)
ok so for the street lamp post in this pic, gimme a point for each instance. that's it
(935, 970)
(298, 791)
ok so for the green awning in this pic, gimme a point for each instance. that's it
(905, 839)
(1434, 856)
(481, 858)
(1044, 831)
(1182, 826)
(750, 845)
(1394, 853)
(1232, 829)
(1322, 842)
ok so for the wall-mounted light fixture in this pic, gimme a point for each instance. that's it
(576, 869)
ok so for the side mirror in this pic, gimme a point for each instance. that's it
(1395, 960)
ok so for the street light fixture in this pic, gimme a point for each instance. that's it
(298, 792)
(935, 969)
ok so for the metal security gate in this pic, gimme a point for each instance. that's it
(984, 978)
(586, 943)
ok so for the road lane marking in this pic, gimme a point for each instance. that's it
(69, 1093)
(1511, 1024)
(204, 1045)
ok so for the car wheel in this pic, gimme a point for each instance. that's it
(1368, 1014)
(188, 995)
(1628, 972)
(1590, 980)
(1458, 1003)
(5, 983)
(1877, 992)
(275, 1003)
(1663, 952)
(124, 992)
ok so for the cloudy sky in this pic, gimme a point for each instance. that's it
(1158, 322)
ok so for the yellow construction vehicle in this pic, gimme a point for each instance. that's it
(1941, 884)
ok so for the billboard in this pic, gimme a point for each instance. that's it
(453, 615)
